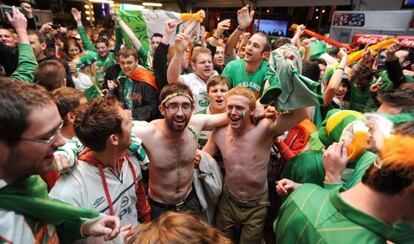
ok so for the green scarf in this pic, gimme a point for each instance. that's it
(29, 197)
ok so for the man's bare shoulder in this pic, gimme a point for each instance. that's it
(143, 128)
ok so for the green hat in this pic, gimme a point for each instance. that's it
(317, 48)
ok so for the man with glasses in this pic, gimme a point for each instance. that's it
(171, 144)
(30, 128)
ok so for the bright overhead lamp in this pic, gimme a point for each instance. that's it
(150, 4)
(102, 1)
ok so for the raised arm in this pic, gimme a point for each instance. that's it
(27, 61)
(244, 19)
(131, 35)
(160, 64)
(85, 39)
(221, 27)
(298, 33)
(181, 43)
(336, 78)
(287, 121)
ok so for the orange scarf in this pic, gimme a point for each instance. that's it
(143, 75)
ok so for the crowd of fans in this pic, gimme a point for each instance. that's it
(201, 139)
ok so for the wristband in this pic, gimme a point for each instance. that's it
(240, 29)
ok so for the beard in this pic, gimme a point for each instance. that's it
(177, 124)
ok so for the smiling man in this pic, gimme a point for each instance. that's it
(136, 87)
(202, 64)
(250, 71)
(171, 145)
(246, 151)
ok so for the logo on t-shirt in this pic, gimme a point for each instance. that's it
(98, 202)
(203, 101)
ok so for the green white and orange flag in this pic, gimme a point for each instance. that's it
(144, 23)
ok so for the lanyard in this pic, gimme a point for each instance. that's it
(89, 159)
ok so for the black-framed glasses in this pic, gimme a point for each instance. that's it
(48, 141)
(173, 107)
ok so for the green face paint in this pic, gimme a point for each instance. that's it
(241, 114)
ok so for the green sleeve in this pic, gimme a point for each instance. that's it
(85, 39)
(143, 57)
(330, 186)
(69, 231)
(27, 64)
(387, 84)
(118, 38)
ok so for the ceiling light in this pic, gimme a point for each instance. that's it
(102, 1)
(150, 4)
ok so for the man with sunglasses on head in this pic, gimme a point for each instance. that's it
(171, 145)
(30, 128)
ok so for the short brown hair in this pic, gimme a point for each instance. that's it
(67, 99)
(217, 80)
(17, 100)
(177, 228)
(199, 50)
(245, 92)
(393, 170)
(50, 74)
(267, 47)
(125, 52)
(96, 121)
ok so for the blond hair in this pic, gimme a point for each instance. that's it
(245, 92)
(177, 228)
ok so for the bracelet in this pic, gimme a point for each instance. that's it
(215, 37)
(340, 68)
(240, 29)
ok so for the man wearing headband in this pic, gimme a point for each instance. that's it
(171, 144)
(246, 151)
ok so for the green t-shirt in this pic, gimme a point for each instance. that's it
(235, 72)
(312, 214)
(307, 167)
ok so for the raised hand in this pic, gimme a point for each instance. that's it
(335, 159)
(27, 9)
(170, 26)
(77, 15)
(18, 21)
(181, 42)
(390, 51)
(300, 29)
(245, 17)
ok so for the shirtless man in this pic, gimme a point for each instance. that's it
(246, 151)
(171, 145)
